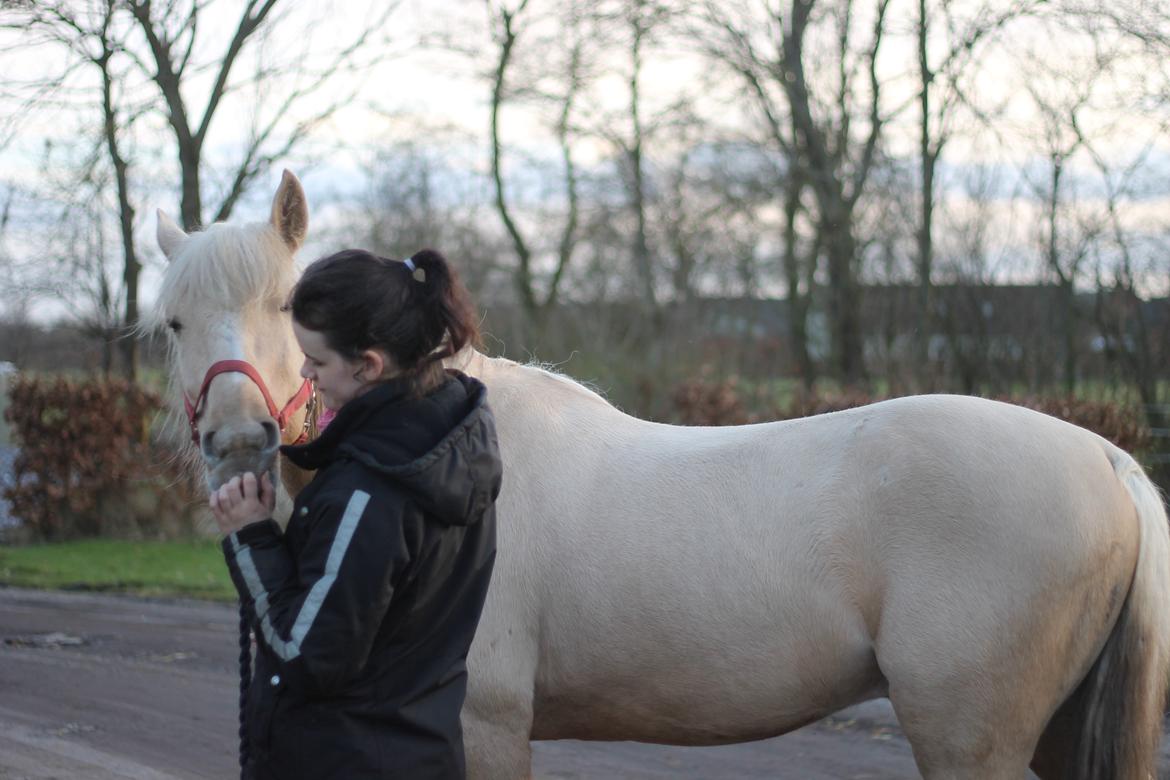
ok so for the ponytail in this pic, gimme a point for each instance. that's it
(446, 304)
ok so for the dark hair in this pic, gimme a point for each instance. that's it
(360, 301)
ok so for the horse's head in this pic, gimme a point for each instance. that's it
(221, 300)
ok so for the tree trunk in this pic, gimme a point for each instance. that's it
(130, 265)
(191, 205)
(568, 242)
(844, 302)
(643, 263)
(523, 276)
(836, 184)
(928, 159)
(1066, 281)
(798, 301)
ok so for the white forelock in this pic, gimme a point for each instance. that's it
(227, 267)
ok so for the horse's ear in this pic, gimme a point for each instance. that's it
(290, 211)
(169, 235)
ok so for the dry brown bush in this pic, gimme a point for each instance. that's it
(88, 465)
(706, 401)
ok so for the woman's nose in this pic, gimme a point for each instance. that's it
(306, 373)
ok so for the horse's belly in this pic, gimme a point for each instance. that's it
(669, 686)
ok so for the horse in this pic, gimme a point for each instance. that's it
(1001, 576)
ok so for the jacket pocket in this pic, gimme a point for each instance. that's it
(264, 695)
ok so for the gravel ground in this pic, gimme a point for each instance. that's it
(115, 688)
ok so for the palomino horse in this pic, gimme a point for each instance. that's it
(1001, 576)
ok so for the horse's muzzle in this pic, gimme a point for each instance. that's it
(240, 460)
(220, 473)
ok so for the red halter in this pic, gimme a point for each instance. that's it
(303, 396)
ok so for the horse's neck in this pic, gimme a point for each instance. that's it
(530, 395)
(293, 477)
(473, 363)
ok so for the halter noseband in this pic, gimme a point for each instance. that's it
(303, 396)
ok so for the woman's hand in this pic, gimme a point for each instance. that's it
(242, 500)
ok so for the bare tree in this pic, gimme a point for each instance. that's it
(130, 45)
(174, 39)
(419, 195)
(1129, 247)
(1129, 336)
(558, 86)
(800, 265)
(941, 92)
(640, 18)
(818, 131)
(1063, 94)
(754, 59)
(92, 33)
(638, 218)
(838, 165)
(88, 250)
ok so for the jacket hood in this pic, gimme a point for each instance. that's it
(441, 447)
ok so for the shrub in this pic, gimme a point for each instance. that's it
(88, 465)
(1122, 425)
(808, 405)
(703, 401)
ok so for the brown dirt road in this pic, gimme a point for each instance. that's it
(105, 687)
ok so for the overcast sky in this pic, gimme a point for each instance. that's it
(427, 92)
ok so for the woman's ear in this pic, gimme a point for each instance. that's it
(375, 365)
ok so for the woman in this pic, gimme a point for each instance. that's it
(365, 606)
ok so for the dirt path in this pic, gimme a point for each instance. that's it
(104, 687)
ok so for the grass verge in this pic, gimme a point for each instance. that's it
(186, 569)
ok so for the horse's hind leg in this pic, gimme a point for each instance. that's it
(971, 704)
(957, 749)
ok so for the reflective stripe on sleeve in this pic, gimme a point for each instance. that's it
(289, 649)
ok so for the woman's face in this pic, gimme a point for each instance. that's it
(338, 380)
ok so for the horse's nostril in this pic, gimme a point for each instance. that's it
(205, 444)
(271, 435)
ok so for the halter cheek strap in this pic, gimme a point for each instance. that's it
(302, 397)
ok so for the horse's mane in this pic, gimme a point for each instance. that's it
(566, 383)
(238, 266)
(545, 378)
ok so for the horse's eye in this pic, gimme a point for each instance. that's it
(174, 325)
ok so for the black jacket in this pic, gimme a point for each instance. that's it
(365, 607)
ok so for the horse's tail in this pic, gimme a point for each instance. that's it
(1118, 708)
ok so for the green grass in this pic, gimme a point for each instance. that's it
(187, 569)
